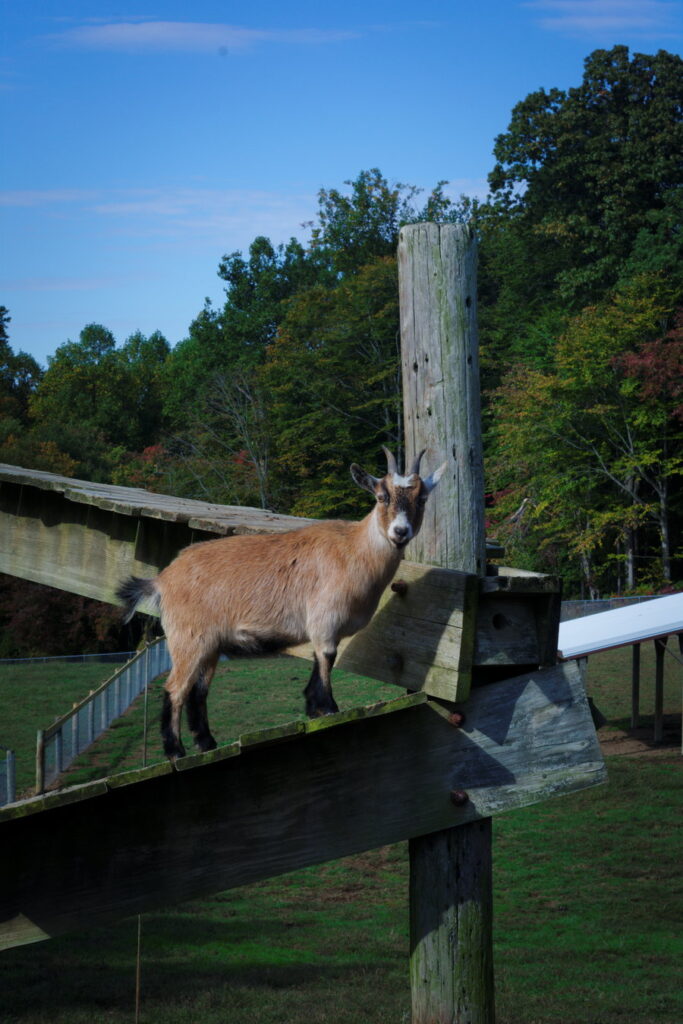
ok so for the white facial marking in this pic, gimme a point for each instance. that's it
(403, 481)
(400, 529)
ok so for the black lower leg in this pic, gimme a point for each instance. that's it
(318, 693)
(197, 716)
(172, 745)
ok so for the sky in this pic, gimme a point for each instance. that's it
(143, 141)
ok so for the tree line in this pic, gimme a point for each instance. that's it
(273, 393)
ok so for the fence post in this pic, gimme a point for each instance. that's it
(11, 777)
(59, 752)
(90, 735)
(451, 940)
(40, 762)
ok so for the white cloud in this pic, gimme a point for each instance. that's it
(187, 37)
(585, 17)
(228, 218)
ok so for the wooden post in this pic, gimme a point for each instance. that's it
(450, 871)
(40, 762)
(441, 391)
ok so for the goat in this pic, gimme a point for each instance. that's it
(263, 593)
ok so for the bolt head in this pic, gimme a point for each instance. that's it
(459, 797)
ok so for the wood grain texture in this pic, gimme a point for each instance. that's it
(440, 363)
(441, 404)
(421, 638)
(449, 983)
(287, 799)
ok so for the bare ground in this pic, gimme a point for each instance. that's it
(640, 742)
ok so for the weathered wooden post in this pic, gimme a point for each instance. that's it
(450, 871)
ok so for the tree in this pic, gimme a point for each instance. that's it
(333, 380)
(301, 363)
(19, 375)
(356, 228)
(586, 194)
(95, 397)
(583, 170)
(594, 443)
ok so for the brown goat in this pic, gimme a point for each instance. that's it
(255, 594)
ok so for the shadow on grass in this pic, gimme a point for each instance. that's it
(68, 977)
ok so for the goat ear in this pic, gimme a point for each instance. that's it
(363, 479)
(433, 479)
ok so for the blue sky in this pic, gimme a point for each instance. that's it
(143, 142)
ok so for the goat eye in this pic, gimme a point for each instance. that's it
(383, 497)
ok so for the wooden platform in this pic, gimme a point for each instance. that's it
(430, 635)
(288, 797)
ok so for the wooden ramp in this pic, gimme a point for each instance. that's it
(288, 797)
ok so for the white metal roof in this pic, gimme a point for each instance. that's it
(644, 620)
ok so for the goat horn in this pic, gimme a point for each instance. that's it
(391, 460)
(416, 464)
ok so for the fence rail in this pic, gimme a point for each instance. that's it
(59, 744)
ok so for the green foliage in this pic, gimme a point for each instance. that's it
(19, 377)
(582, 169)
(94, 396)
(333, 377)
(593, 443)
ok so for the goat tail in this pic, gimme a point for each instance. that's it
(132, 591)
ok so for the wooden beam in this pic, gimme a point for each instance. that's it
(422, 635)
(422, 638)
(441, 409)
(84, 537)
(286, 798)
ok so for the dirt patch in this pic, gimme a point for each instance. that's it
(640, 742)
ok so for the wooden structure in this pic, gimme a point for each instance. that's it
(287, 797)
(284, 798)
(85, 538)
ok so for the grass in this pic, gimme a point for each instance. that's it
(587, 901)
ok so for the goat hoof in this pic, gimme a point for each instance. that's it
(206, 743)
(174, 752)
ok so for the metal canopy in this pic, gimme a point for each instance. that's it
(646, 620)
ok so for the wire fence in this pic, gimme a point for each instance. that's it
(106, 658)
(577, 609)
(7, 777)
(68, 736)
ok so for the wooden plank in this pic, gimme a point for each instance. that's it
(135, 502)
(422, 635)
(73, 860)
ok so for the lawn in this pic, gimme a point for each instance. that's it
(587, 897)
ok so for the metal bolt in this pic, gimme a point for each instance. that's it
(459, 797)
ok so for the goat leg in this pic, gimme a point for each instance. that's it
(318, 693)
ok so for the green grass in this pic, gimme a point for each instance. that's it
(32, 695)
(588, 901)
(609, 683)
